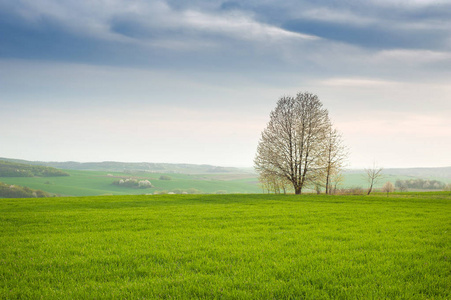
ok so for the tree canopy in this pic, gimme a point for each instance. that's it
(299, 144)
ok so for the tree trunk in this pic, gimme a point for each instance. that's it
(297, 190)
(371, 187)
(327, 184)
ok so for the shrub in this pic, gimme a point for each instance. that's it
(163, 192)
(165, 177)
(133, 183)
(388, 188)
(193, 191)
(143, 184)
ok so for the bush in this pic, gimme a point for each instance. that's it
(143, 184)
(388, 188)
(165, 177)
(164, 192)
(193, 191)
(133, 183)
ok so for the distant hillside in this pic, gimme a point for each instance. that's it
(112, 166)
(440, 172)
(14, 169)
(421, 172)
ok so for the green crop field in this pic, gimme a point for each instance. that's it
(94, 183)
(227, 246)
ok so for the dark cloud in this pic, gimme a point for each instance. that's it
(376, 60)
(368, 24)
(209, 40)
(129, 28)
(370, 36)
(43, 40)
(231, 5)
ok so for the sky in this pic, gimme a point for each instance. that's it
(195, 81)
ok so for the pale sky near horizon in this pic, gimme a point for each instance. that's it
(194, 81)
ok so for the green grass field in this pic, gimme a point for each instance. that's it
(227, 246)
(95, 183)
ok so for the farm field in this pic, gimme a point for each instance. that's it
(360, 180)
(96, 183)
(227, 246)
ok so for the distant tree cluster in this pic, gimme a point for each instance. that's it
(178, 191)
(299, 147)
(15, 191)
(133, 183)
(423, 184)
(10, 169)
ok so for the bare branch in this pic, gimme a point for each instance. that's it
(373, 175)
(299, 144)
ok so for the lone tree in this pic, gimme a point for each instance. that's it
(295, 146)
(373, 175)
(388, 188)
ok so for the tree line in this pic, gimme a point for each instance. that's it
(423, 184)
(10, 169)
(15, 191)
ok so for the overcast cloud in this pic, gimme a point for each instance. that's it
(194, 81)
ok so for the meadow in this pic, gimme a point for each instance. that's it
(227, 246)
(95, 183)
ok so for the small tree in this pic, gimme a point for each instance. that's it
(388, 188)
(317, 186)
(447, 188)
(335, 155)
(273, 183)
(373, 175)
(144, 184)
(401, 185)
(336, 180)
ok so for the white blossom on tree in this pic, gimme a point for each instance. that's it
(294, 145)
